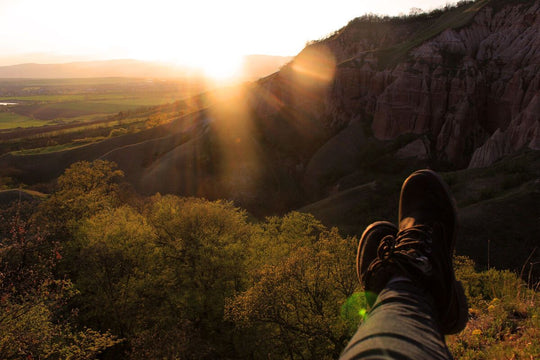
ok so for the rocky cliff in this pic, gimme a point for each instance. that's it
(467, 79)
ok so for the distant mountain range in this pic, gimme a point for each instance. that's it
(254, 67)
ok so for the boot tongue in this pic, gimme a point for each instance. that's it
(411, 221)
(423, 215)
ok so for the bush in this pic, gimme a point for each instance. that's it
(118, 132)
(301, 302)
(34, 323)
(190, 278)
(503, 313)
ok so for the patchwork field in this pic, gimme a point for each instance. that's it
(9, 120)
(44, 115)
(51, 102)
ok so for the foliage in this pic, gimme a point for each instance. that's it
(6, 183)
(118, 131)
(113, 251)
(83, 190)
(190, 278)
(94, 179)
(32, 324)
(202, 254)
(294, 300)
(416, 15)
(504, 316)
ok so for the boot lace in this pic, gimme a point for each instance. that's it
(386, 248)
(413, 247)
(408, 254)
(410, 248)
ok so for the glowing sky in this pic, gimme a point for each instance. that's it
(195, 32)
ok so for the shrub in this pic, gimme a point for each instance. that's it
(503, 312)
(118, 132)
(33, 320)
(300, 303)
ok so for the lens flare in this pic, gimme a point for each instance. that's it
(315, 66)
(237, 152)
(354, 309)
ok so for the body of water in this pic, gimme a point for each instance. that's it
(8, 103)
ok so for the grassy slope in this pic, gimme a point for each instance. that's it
(46, 166)
(15, 195)
(53, 108)
(504, 317)
(498, 205)
(452, 19)
(9, 120)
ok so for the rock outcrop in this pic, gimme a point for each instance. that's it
(473, 88)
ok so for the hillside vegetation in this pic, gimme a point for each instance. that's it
(169, 277)
(497, 207)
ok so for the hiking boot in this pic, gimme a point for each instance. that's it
(425, 244)
(371, 272)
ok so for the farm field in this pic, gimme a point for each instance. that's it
(50, 102)
(44, 115)
(9, 119)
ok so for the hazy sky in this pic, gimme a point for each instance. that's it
(194, 32)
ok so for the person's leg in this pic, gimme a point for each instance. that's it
(419, 299)
(400, 325)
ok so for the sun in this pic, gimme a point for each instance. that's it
(216, 66)
(221, 68)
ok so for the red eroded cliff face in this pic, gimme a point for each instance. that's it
(473, 90)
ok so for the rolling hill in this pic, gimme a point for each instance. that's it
(254, 67)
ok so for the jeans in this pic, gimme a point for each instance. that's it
(400, 325)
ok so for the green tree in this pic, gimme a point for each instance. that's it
(114, 253)
(295, 301)
(203, 248)
(84, 189)
(160, 279)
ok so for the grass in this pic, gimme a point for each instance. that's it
(452, 19)
(118, 98)
(55, 101)
(143, 100)
(60, 110)
(498, 206)
(94, 107)
(9, 120)
(43, 98)
(470, 186)
(504, 315)
(132, 122)
(33, 193)
(56, 148)
(65, 108)
(82, 127)
(70, 81)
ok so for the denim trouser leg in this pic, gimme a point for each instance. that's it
(400, 326)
